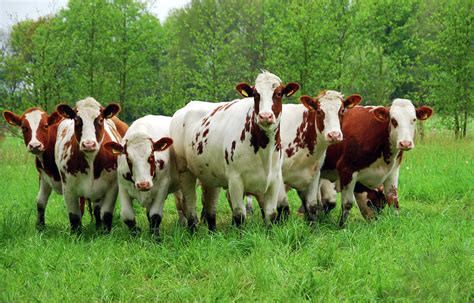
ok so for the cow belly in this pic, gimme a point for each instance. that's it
(55, 185)
(375, 174)
(93, 189)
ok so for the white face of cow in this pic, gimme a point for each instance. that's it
(330, 107)
(140, 152)
(402, 117)
(268, 93)
(89, 118)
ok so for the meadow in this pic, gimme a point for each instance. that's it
(423, 255)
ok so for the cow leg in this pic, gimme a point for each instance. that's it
(390, 188)
(271, 201)
(156, 211)
(98, 220)
(249, 204)
(72, 205)
(178, 199)
(41, 202)
(362, 203)
(126, 211)
(261, 203)
(210, 196)
(236, 192)
(327, 194)
(314, 206)
(187, 183)
(347, 194)
(283, 208)
(107, 208)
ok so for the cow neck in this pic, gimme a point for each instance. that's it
(46, 160)
(307, 136)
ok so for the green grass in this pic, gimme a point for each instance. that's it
(423, 255)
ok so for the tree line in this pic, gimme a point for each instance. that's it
(117, 51)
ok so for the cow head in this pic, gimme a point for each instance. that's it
(34, 124)
(401, 118)
(89, 117)
(330, 107)
(267, 94)
(139, 151)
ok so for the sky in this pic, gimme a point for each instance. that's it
(12, 11)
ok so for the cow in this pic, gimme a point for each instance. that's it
(307, 131)
(86, 168)
(234, 145)
(39, 134)
(372, 150)
(145, 170)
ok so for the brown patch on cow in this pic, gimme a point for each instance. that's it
(200, 148)
(305, 134)
(206, 131)
(365, 140)
(277, 105)
(128, 177)
(277, 139)
(242, 135)
(258, 138)
(104, 160)
(161, 164)
(151, 162)
(400, 157)
(76, 162)
(232, 149)
(121, 126)
(226, 156)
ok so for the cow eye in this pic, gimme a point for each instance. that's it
(279, 94)
(24, 128)
(414, 120)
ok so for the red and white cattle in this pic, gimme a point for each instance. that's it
(307, 131)
(39, 133)
(86, 168)
(375, 139)
(146, 170)
(235, 145)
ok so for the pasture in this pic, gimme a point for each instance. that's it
(423, 255)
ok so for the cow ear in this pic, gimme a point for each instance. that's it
(382, 114)
(66, 111)
(352, 101)
(11, 118)
(309, 103)
(424, 112)
(244, 90)
(162, 144)
(114, 148)
(54, 118)
(290, 89)
(111, 111)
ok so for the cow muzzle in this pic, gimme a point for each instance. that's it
(405, 145)
(334, 137)
(88, 146)
(35, 148)
(266, 119)
(143, 186)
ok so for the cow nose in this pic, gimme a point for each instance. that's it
(406, 144)
(266, 118)
(35, 147)
(143, 186)
(334, 137)
(89, 145)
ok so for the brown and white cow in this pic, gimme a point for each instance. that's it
(375, 139)
(307, 131)
(235, 145)
(86, 168)
(39, 133)
(146, 170)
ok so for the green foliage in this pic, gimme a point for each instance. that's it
(423, 255)
(118, 51)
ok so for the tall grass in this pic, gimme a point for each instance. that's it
(423, 255)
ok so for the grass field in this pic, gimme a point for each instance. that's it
(424, 255)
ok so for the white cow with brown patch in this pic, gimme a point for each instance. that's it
(146, 169)
(307, 131)
(86, 168)
(235, 145)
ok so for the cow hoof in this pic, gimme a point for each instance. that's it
(40, 226)
(283, 213)
(108, 222)
(192, 224)
(75, 222)
(132, 227)
(238, 220)
(328, 207)
(211, 222)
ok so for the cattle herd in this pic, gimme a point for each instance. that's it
(252, 146)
